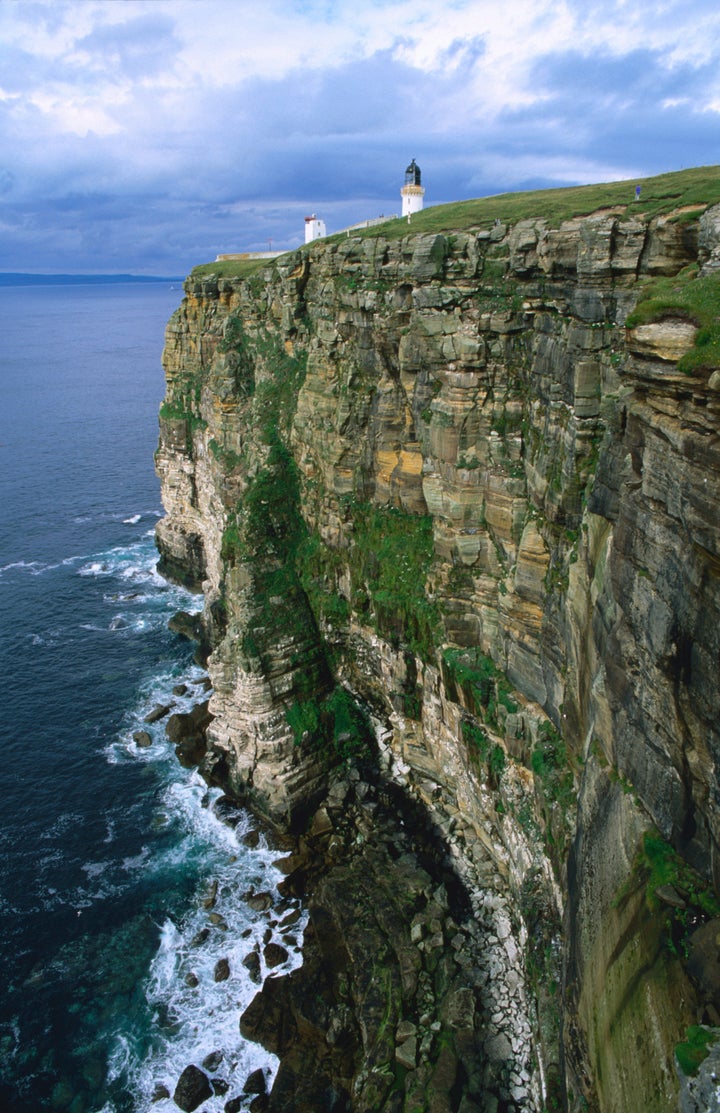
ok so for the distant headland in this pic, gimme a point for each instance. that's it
(16, 278)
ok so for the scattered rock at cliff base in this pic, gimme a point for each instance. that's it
(187, 625)
(186, 729)
(160, 1093)
(259, 902)
(275, 955)
(251, 962)
(210, 898)
(193, 1088)
(222, 970)
(212, 1061)
(256, 1083)
(142, 739)
(157, 713)
(321, 824)
(230, 812)
(406, 1053)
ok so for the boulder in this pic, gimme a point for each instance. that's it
(193, 1088)
(275, 955)
(142, 739)
(251, 963)
(187, 731)
(187, 625)
(406, 1053)
(158, 712)
(222, 970)
(255, 1083)
(259, 902)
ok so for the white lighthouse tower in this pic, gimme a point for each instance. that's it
(412, 192)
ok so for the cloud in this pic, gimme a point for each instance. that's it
(152, 134)
(137, 48)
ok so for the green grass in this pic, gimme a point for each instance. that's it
(659, 195)
(697, 300)
(229, 268)
(484, 685)
(173, 411)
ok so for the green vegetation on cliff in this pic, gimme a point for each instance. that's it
(389, 558)
(695, 1048)
(481, 685)
(336, 723)
(696, 299)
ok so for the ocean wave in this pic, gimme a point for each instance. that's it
(39, 567)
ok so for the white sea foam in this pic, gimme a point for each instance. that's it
(194, 1015)
(22, 565)
(197, 1015)
(133, 521)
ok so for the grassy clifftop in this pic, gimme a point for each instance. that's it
(683, 192)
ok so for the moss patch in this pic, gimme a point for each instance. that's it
(694, 1048)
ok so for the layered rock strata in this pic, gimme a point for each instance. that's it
(436, 483)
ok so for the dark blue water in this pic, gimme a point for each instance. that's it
(106, 849)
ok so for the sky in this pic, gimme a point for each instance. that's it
(146, 136)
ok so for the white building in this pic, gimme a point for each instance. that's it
(412, 192)
(314, 228)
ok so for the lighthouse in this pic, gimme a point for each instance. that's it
(412, 192)
(314, 228)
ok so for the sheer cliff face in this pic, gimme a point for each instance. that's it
(379, 453)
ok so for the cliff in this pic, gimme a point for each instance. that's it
(452, 499)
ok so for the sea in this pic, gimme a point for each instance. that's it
(124, 880)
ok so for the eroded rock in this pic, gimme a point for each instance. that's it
(193, 1088)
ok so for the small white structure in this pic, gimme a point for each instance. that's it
(314, 228)
(412, 192)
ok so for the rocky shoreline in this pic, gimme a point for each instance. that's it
(412, 990)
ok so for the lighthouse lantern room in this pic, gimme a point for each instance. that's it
(412, 192)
